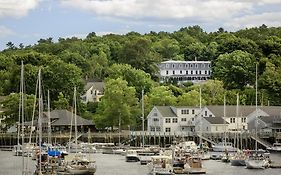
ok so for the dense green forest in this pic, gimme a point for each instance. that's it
(128, 64)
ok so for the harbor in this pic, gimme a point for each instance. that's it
(115, 164)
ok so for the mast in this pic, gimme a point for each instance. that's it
(49, 120)
(75, 120)
(256, 134)
(200, 140)
(40, 110)
(21, 113)
(224, 112)
(237, 114)
(142, 111)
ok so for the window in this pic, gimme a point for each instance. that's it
(193, 111)
(152, 128)
(191, 65)
(200, 72)
(232, 120)
(180, 72)
(155, 119)
(210, 115)
(168, 120)
(192, 119)
(205, 72)
(216, 128)
(167, 65)
(185, 111)
(243, 120)
(186, 72)
(183, 119)
(167, 72)
(158, 128)
(173, 65)
(175, 120)
(196, 65)
(206, 113)
(173, 72)
(168, 129)
(155, 114)
(191, 72)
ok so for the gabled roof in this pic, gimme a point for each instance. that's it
(63, 117)
(166, 111)
(96, 85)
(216, 120)
(271, 110)
(230, 110)
(270, 119)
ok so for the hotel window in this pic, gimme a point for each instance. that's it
(168, 129)
(196, 72)
(186, 72)
(152, 128)
(168, 120)
(205, 72)
(158, 128)
(191, 65)
(167, 65)
(180, 65)
(196, 65)
(200, 72)
(191, 72)
(173, 72)
(167, 72)
(175, 120)
(180, 72)
(155, 119)
(173, 65)
(183, 119)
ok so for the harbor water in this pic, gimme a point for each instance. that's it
(110, 164)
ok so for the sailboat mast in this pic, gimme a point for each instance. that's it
(75, 120)
(142, 111)
(200, 101)
(40, 109)
(21, 112)
(49, 120)
(256, 134)
(224, 113)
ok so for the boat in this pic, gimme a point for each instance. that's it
(239, 159)
(132, 156)
(160, 165)
(79, 164)
(276, 148)
(257, 160)
(193, 165)
(223, 146)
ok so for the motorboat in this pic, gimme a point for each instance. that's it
(224, 146)
(132, 156)
(80, 165)
(276, 148)
(160, 165)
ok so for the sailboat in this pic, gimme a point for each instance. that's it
(257, 160)
(238, 159)
(79, 164)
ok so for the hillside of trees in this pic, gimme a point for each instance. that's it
(128, 64)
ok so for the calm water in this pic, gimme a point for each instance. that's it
(115, 165)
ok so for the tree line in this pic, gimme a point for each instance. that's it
(128, 64)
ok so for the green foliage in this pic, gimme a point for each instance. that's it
(119, 102)
(235, 69)
(61, 103)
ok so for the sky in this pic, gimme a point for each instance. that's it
(27, 21)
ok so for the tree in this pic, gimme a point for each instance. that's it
(119, 102)
(135, 77)
(61, 103)
(160, 96)
(167, 48)
(11, 106)
(235, 69)
(191, 98)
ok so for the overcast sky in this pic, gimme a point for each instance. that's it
(26, 21)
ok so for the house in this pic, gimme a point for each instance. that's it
(93, 92)
(171, 119)
(184, 71)
(266, 124)
(236, 117)
(211, 124)
(62, 121)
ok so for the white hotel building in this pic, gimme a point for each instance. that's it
(184, 71)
